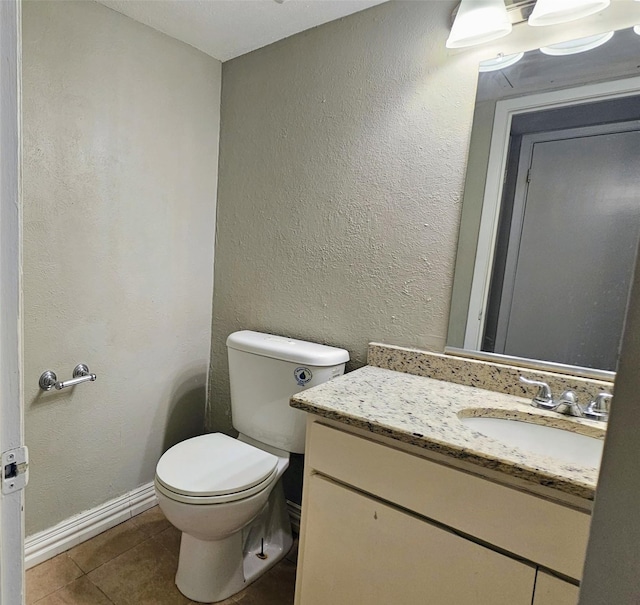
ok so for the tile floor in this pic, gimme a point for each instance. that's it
(135, 563)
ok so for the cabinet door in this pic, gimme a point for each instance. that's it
(553, 591)
(359, 550)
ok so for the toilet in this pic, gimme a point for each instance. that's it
(225, 495)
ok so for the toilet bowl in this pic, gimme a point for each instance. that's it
(225, 495)
(211, 501)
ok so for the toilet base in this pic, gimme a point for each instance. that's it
(211, 571)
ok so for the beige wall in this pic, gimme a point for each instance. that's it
(342, 163)
(120, 160)
(342, 159)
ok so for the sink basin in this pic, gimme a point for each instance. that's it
(566, 446)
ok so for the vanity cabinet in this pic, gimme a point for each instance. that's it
(554, 591)
(361, 550)
(384, 525)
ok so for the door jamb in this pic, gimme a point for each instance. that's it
(11, 404)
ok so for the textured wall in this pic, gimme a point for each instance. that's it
(120, 158)
(342, 163)
(341, 170)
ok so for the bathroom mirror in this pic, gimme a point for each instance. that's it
(551, 209)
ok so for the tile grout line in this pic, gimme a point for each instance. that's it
(160, 543)
(146, 539)
(116, 556)
(82, 573)
(234, 599)
(106, 596)
(136, 526)
(57, 589)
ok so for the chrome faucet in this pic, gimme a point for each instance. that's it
(567, 403)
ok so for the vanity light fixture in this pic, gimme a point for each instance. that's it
(500, 62)
(479, 21)
(553, 12)
(573, 47)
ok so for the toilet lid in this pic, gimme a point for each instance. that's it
(213, 465)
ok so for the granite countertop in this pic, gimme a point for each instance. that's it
(425, 412)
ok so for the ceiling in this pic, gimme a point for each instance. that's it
(226, 29)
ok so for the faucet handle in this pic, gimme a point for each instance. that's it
(543, 398)
(598, 408)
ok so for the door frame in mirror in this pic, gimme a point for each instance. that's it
(504, 113)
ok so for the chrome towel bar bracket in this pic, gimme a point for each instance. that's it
(49, 380)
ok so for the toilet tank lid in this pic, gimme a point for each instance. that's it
(287, 349)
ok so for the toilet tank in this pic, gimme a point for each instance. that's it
(264, 372)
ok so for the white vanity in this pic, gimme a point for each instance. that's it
(405, 504)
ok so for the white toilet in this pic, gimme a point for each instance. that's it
(225, 494)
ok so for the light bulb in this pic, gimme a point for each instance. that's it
(552, 12)
(479, 21)
(573, 47)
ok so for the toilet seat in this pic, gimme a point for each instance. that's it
(233, 497)
(214, 468)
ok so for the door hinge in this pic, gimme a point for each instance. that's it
(529, 176)
(15, 469)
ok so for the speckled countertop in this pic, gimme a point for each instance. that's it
(426, 412)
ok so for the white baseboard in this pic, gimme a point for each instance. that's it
(75, 530)
(70, 532)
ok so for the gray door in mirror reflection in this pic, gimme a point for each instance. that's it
(568, 248)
